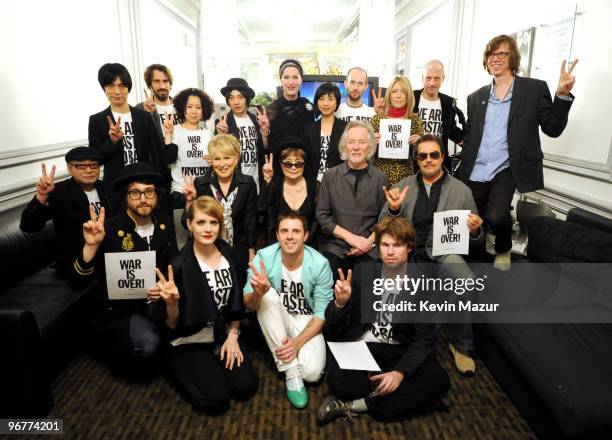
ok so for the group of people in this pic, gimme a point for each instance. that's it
(303, 182)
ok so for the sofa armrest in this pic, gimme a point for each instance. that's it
(25, 385)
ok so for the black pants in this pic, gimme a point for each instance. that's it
(426, 383)
(494, 202)
(204, 378)
(344, 263)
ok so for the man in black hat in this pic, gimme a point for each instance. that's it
(126, 332)
(251, 131)
(67, 203)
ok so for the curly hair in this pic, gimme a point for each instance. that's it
(180, 103)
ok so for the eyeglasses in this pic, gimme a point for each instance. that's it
(134, 194)
(84, 166)
(296, 165)
(500, 55)
(435, 155)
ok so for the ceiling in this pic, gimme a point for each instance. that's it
(270, 22)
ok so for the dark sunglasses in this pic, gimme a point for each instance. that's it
(435, 155)
(296, 165)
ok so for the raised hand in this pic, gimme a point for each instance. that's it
(93, 229)
(474, 222)
(114, 130)
(566, 79)
(169, 123)
(342, 289)
(263, 121)
(222, 125)
(378, 101)
(45, 185)
(395, 197)
(149, 104)
(167, 289)
(189, 189)
(259, 280)
(268, 168)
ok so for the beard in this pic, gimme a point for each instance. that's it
(161, 94)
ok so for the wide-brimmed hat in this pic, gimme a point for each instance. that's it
(138, 172)
(83, 153)
(238, 84)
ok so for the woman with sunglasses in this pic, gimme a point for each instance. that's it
(236, 193)
(291, 191)
(204, 307)
(399, 102)
(190, 140)
(322, 137)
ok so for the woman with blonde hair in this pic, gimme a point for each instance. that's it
(235, 192)
(399, 102)
(204, 307)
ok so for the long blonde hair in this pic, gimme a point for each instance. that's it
(406, 87)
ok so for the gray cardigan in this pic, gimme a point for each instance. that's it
(454, 194)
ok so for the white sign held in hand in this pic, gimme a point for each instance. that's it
(129, 274)
(394, 135)
(450, 233)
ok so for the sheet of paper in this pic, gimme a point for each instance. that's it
(353, 356)
(394, 134)
(129, 274)
(450, 233)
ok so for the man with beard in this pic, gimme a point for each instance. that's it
(411, 375)
(159, 103)
(353, 109)
(126, 333)
(417, 198)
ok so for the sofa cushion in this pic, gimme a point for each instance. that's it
(573, 375)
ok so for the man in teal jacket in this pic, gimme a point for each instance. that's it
(289, 285)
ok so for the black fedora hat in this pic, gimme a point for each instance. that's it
(138, 172)
(83, 153)
(238, 84)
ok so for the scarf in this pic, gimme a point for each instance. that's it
(226, 204)
(397, 112)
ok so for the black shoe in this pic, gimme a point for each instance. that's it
(332, 408)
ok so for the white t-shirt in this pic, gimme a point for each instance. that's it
(248, 148)
(348, 113)
(292, 292)
(381, 330)
(220, 283)
(146, 232)
(192, 147)
(323, 162)
(431, 113)
(129, 145)
(162, 110)
(94, 200)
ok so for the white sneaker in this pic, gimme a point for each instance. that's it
(490, 243)
(503, 261)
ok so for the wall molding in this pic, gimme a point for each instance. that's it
(36, 154)
(592, 170)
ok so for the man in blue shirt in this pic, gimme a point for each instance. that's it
(502, 150)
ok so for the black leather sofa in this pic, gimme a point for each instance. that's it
(560, 375)
(42, 320)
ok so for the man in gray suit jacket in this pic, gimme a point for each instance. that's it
(502, 151)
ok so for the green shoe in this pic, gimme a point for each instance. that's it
(297, 392)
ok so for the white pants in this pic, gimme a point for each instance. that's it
(277, 323)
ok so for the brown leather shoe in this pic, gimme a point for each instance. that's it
(464, 363)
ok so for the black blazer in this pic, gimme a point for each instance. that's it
(531, 108)
(147, 143)
(196, 303)
(244, 208)
(67, 206)
(233, 130)
(346, 324)
(313, 146)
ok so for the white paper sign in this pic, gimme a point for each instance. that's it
(450, 233)
(129, 274)
(192, 154)
(353, 356)
(394, 134)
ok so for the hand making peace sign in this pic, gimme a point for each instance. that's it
(114, 131)
(45, 185)
(263, 121)
(189, 189)
(149, 104)
(268, 168)
(167, 289)
(342, 289)
(378, 101)
(259, 280)
(222, 127)
(169, 123)
(566, 79)
(93, 229)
